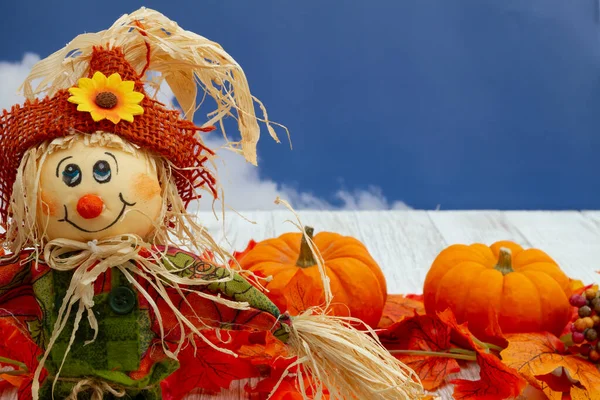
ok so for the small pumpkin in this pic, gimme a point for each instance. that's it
(357, 283)
(525, 289)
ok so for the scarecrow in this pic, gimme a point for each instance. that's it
(103, 267)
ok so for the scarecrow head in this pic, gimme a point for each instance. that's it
(99, 156)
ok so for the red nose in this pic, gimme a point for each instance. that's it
(90, 206)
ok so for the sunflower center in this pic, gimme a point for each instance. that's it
(106, 100)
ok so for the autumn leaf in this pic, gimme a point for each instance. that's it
(301, 293)
(422, 333)
(558, 382)
(416, 297)
(535, 355)
(202, 366)
(462, 337)
(496, 381)
(288, 389)
(266, 353)
(398, 307)
(19, 351)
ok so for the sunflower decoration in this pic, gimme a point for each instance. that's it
(107, 98)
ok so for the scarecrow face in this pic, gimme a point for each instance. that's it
(94, 192)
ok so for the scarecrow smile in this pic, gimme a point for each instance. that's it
(66, 218)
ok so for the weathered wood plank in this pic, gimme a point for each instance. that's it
(475, 226)
(569, 237)
(403, 243)
(593, 216)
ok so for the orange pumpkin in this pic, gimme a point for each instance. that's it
(357, 283)
(525, 289)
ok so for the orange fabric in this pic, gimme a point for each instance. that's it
(158, 130)
(90, 206)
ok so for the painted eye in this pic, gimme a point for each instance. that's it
(102, 171)
(71, 175)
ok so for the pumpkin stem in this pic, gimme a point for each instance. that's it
(505, 261)
(306, 258)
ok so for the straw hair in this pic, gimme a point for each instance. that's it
(183, 59)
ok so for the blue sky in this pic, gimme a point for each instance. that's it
(466, 104)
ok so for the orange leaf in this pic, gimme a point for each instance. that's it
(301, 293)
(398, 307)
(422, 333)
(539, 354)
(266, 352)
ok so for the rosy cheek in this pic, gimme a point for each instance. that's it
(145, 188)
(49, 205)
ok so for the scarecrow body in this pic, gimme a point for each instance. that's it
(113, 161)
(127, 351)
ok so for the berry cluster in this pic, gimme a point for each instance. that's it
(587, 327)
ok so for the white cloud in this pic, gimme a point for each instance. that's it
(237, 177)
(12, 76)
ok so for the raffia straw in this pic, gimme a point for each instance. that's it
(340, 359)
(98, 388)
(182, 59)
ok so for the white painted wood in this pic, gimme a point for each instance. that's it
(404, 243)
(593, 216)
(570, 238)
(484, 227)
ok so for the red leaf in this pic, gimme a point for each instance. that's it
(398, 307)
(462, 337)
(416, 297)
(207, 368)
(288, 389)
(17, 345)
(494, 332)
(497, 381)
(422, 333)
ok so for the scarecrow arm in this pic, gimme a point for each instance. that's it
(262, 315)
(228, 282)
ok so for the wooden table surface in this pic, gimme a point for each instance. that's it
(404, 243)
